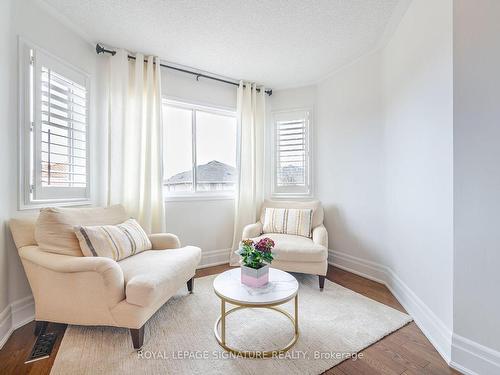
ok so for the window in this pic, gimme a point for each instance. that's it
(291, 162)
(54, 130)
(200, 149)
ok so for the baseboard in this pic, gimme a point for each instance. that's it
(433, 327)
(468, 355)
(15, 315)
(459, 352)
(361, 267)
(214, 258)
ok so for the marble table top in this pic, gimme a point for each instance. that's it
(281, 288)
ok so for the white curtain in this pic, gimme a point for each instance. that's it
(135, 139)
(250, 193)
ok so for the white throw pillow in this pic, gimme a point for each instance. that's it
(113, 241)
(288, 221)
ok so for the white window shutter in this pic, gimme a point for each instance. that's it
(291, 152)
(291, 155)
(60, 141)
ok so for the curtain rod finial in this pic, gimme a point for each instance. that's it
(100, 49)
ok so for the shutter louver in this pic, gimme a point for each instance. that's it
(63, 131)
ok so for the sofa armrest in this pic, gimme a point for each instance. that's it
(69, 263)
(320, 236)
(163, 241)
(252, 230)
(106, 275)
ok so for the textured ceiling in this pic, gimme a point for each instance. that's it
(280, 43)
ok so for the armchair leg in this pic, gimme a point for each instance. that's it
(321, 282)
(190, 285)
(40, 327)
(137, 337)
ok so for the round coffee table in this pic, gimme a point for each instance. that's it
(282, 287)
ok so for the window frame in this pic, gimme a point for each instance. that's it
(292, 192)
(29, 115)
(194, 194)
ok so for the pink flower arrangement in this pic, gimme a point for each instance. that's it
(265, 245)
(256, 254)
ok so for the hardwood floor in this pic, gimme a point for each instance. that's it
(405, 351)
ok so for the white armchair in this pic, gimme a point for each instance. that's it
(81, 290)
(296, 253)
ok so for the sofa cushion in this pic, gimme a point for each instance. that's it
(113, 241)
(294, 221)
(54, 229)
(158, 274)
(292, 248)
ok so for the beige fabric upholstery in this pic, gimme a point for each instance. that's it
(291, 248)
(252, 230)
(135, 316)
(75, 290)
(320, 236)
(153, 275)
(296, 253)
(313, 268)
(162, 241)
(23, 231)
(54, 230)
(315, 205)
(95, 290)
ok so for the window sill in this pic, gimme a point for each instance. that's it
(285, 196)
(198, 197)
(53, 203)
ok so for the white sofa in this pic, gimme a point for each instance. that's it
(296, 253)
(96, 290)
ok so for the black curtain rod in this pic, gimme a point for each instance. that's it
(100, 49)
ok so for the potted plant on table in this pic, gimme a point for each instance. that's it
(255, 260)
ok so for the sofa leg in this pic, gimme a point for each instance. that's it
(190, 285)
(137, 337)
(321, 282)
(40, 327)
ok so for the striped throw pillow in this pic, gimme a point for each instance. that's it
(288, 221)
(113, 241)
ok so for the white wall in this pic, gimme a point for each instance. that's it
(418, 130)
(182, 86)
(5, 156)
(477, 184)
(384, 166)
(349, 159)
(204, 223)
(296, 98)
(27, 19)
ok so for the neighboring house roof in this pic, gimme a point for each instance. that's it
(212, 172)
(291, 174)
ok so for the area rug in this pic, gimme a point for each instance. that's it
(334, 325)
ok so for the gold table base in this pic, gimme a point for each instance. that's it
(221, 338)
